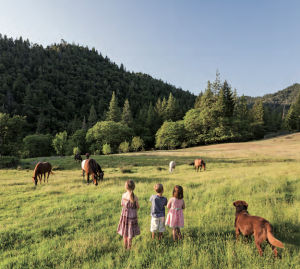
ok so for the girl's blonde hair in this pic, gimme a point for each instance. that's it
(129, 185)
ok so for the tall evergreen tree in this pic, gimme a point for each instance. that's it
(216, 86)
(198, 100)
(126, 118)
(229, 99)
(207, 99)
(171, 109)
(113, 112)
(92, 119)
(83, 124)
(243, 111)
(257, 112)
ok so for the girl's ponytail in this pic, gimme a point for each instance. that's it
(129, 185)
(132, 197)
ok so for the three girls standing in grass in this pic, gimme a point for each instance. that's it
(128, 225)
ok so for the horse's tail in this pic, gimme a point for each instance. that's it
(273, 241)
(52, 173)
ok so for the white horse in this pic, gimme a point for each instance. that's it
(82, 166)
(172, 166)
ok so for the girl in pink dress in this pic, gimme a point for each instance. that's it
(175, 218)
(128, 225)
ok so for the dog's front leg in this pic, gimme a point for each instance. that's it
(237, 233)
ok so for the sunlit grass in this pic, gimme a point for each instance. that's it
(69, 224)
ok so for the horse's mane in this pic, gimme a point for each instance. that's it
(34, 172)
(94, 166)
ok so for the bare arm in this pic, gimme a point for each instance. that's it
(183, 206)
(169, 203)
(136, 202)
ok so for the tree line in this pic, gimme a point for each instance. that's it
(67, 99)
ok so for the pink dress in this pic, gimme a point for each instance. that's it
(128, 225)
(175, 214)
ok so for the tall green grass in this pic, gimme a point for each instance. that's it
(69, 224)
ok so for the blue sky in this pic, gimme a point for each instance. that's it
(253, 44)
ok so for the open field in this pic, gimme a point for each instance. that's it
(69, 224)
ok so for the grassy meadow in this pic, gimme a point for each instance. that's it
(69, 224)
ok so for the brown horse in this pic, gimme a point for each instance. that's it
(199, 163)
(91, 167)
(39, 170)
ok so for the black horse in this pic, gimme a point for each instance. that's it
(78, 157)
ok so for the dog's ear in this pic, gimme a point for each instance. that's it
(234, 203)
(244, 203)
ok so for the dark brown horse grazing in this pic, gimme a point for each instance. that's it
(39, 170)
(199, 163)
(78, 157)
(91, 167)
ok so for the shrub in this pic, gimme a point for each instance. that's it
(158, 168)
(8, 161)
(124, 146)
(124, 170)
(106, 149)
(137, 143)
(76, 150)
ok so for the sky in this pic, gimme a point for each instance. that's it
(253, 44)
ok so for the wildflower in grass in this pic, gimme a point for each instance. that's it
(158, 211)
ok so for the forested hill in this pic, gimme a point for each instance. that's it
(56, 86)
(286, 97)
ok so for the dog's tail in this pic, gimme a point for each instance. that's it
(273, 241)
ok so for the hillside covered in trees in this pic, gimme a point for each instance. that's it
(55, 87)
(278, 99)
(66, 99)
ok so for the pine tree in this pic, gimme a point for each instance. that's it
(229, 99)
(164, 107)
(171, 109)
(92, 120)
(243, 111)
(113, 112)
(221, 104)
(207, 99)
(216, 86)
(292, 119)
(40, 129)
(126, 114)
(83, 124)
(257, 112)
(198, 100)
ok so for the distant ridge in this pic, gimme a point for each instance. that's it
(275, 100)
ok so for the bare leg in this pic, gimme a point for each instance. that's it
(178, 233)
(129, 243)
(125, 241)
(160, 236)
(174, 234)
(153, 235)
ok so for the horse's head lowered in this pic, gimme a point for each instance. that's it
(203, 165)
(95, 179)
(35, 180)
